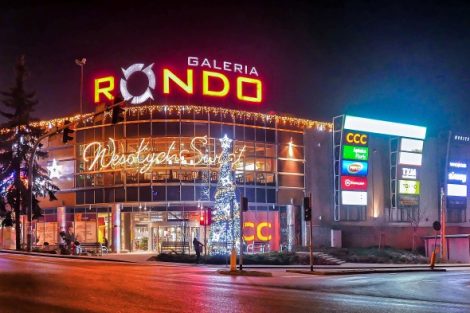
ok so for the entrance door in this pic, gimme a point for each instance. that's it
(141, 238)
(155, 239)
(168, 238)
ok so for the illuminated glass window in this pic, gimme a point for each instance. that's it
(239, 132)
(144, 130)
(249, 133)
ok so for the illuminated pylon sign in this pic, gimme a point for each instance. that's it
(55, 170)
(139, 67)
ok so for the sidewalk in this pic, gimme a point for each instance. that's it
(122, 258)
(143, 258)
(359, 266)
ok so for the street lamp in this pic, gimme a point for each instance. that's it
(81, 62)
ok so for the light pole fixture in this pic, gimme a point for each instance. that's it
(81, 62)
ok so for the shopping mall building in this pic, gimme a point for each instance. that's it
(143, 183)
(140, 205)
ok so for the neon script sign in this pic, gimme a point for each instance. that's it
(97, 154)
(211, 80)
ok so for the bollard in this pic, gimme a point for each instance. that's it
(233, 260)
(433, 259)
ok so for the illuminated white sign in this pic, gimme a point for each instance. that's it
(98, 156)
(354, 197)
(139, 67)
(457, 177)
(382, 127)
(222, 66)
(408, 173)
(411, 145)
(456, 190)
(458, 164)
(461, 138)
(408, 158)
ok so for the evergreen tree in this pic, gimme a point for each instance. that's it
(225, 230)
(17, 138)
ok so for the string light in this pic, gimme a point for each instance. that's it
(189, 109)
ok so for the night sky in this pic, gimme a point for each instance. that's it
(401, 61)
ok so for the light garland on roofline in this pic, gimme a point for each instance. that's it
(181, 109)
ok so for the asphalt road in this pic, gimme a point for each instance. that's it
(40, 284)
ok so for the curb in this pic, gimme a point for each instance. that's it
(49, 255)
(245, 273)
(370, 271)
(347, 267)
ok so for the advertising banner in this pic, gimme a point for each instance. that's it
(411, 145)
(353, 183)
(355, 153)
(408, 158)
(456, 202)
(353, 198)
(409, 187)
(261, 230)
(457, 190)
(408, 201)
(457, 164)
(51, 232)
(368, 125)
(459, 178)
(407, 172)
(354, 168)
(356, 139)
(460, 139)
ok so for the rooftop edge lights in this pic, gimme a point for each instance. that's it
(178, 109)
(384, 127)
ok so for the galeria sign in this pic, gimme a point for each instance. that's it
(212, 80)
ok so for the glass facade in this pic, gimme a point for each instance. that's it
(159, 165)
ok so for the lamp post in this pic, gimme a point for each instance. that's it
(81, 62)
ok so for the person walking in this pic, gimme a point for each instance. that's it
(197, 248)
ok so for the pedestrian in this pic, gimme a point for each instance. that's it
(197, 248)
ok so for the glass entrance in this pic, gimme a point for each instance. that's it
(141, 238)
(168, 239)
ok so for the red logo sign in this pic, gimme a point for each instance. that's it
(353, 183)
(261, 230)
(202, 77)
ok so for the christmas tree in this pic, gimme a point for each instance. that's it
(17, 138)
(225, 230)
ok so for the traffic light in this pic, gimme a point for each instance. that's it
(118, 111)
(206, 217)
(118, 114)
(244, 204)
(202, 218)
(307, 209)
(66, 132)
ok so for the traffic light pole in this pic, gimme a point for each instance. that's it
(311, 236)
(57, 130)
(205, 240)
(241, 239)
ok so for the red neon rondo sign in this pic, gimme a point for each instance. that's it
(208, 78)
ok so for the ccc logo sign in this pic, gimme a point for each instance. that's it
(358, 139)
